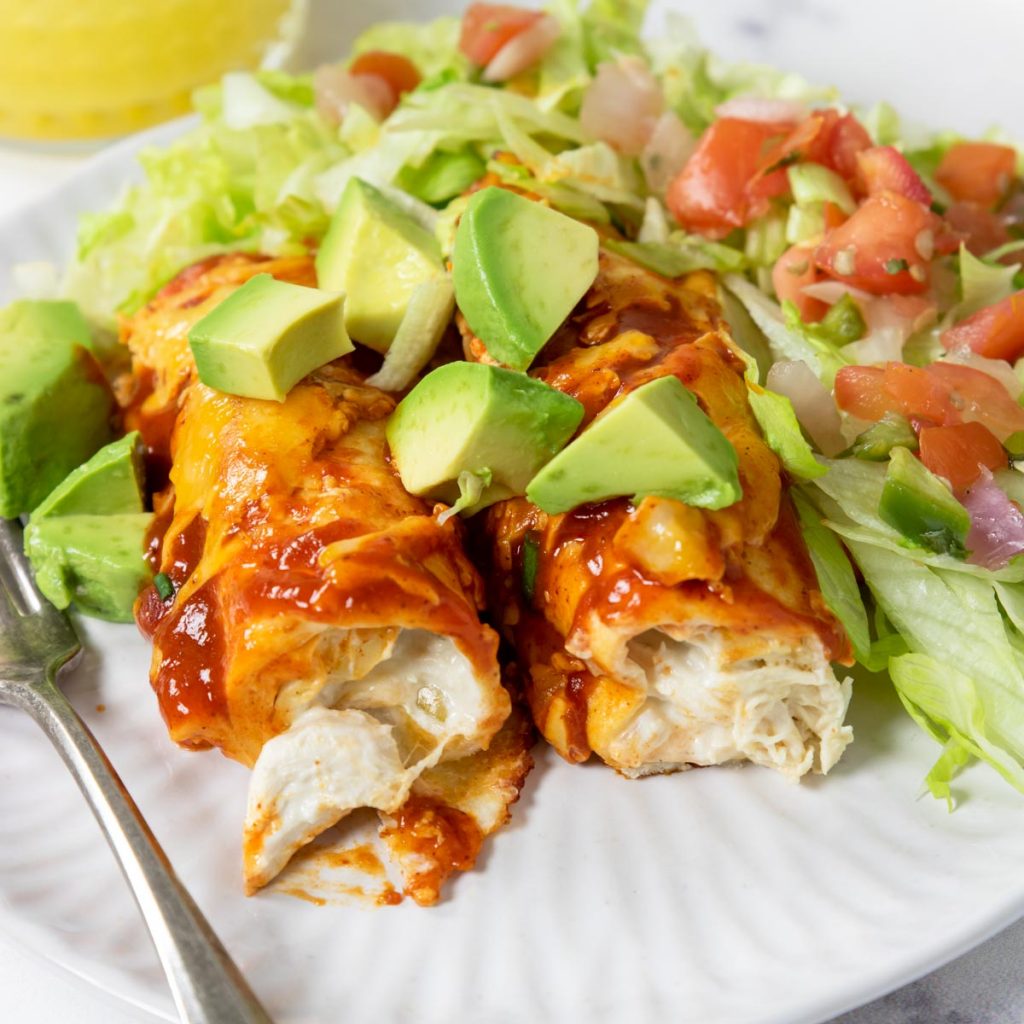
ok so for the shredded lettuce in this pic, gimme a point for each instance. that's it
(781, 429)
(835, 576)
(216, 189)
(982, 283)
(682, 255)
(432, 46)
(472, 484)
(784, 341)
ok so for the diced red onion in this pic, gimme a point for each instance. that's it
(759, 108)
(523, 50)
(814, 406)
(1001, 370)
(622, 105)
(671, 144)
(335, 90)
(997, 525)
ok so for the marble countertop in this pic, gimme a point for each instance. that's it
(982, 987)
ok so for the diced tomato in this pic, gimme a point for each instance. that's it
(918, 395)
(399, 72)
(859, 390)
(977, 172)
(959, 452)
(980, 229)
(712, 193)
(879, 249)
(834, 216)
(941, 394)
(979, 398)
(996, 332)
(886, 169)
(486, 28)
(793, 270)
(842, 139)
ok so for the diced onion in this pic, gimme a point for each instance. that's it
(335, 90)
(667, 150)
(832, 291)
(759, 108)
(622, 105)
(523, 50)
(997, 525)
(814, 406)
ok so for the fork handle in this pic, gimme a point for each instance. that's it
(206, 985)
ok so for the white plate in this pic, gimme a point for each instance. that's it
(713, 897)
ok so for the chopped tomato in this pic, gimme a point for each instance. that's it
(486, 28)
(882, 248)
(399, 72)
(918, 395)
(940, 394)
(980, 398)
(996, 332)
(712, 193)
(980, 229)
(959, 452)
(859, 390)
(886, 169)
(834, 216)
(825, 137)
(842, 139)
(977, 172)
(793, 270)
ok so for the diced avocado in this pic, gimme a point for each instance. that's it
(519, 270)
(656, 440)
(891, 431)
(920, 506)
(55, 404)
(109, 483)
(377, 255)
(468, 418)
(442, 176)
(95, 561)
(266, 336)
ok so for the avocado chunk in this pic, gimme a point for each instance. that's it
(109, 483)
(55, 403)
(266, 336)
(442, 176)
(493, 428)
(919, 505)
(519, 269)
(95, 561)
(654, 441)
(377, 255)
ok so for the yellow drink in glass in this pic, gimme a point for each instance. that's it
(73, 69)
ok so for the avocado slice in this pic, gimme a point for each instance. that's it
(519, 269)
(656, 440)
(111, 482)
(55, 403)
(266, 336)
(95, 561)
(470, 419)
(919, 505)
(442, 176)
(377, 255)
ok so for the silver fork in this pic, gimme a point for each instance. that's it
(36, 642)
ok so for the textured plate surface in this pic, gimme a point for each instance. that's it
(709, 898)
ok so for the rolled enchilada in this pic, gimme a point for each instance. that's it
(324, 627)
(658, 635)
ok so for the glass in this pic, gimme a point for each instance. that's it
(77, 69)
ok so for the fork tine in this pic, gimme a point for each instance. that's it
(33, 630)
